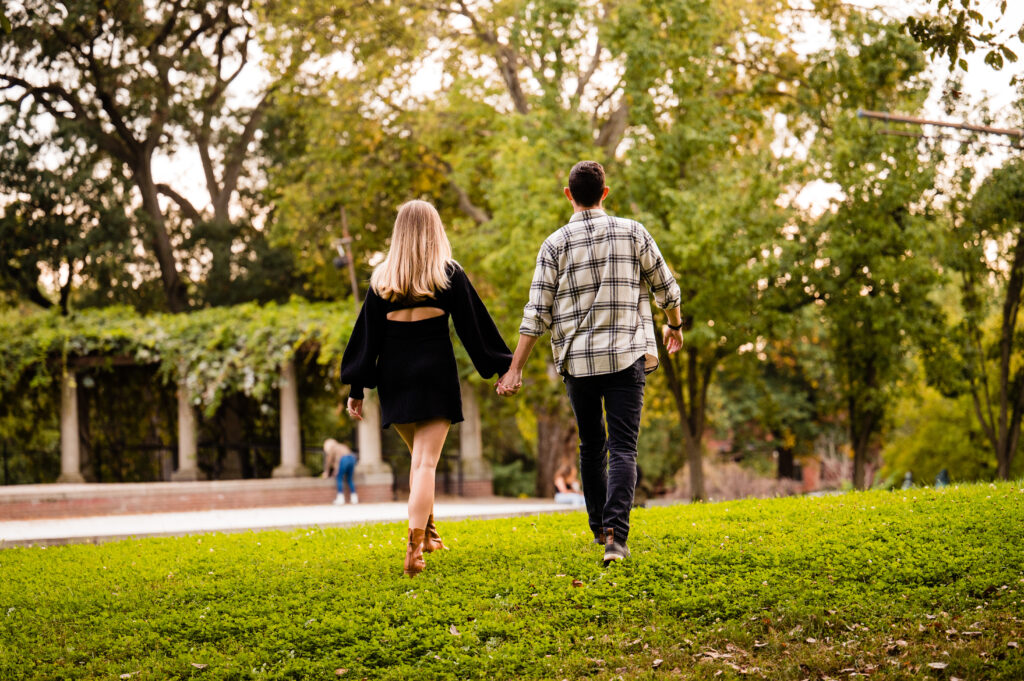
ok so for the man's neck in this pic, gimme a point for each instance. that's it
(579, 209)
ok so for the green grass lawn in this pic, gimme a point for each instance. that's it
(888, 585)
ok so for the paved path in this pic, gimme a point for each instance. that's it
(91, 529)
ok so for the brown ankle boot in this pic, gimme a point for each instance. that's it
(414, 554)
(431, 539)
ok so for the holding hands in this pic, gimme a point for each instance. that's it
(510, 383)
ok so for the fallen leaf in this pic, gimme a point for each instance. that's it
(131, 674)
(812, 640)
(938, 665)
(577, 582)
(1012, 644)
(199, 665)
(453, 631)
(657, 663)
(340, 672)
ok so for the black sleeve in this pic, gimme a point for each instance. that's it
(359, 362)
(475, 327)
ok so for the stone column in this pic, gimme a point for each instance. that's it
(188, 468)
(70, 452)
(373, 477)
(476, 473)
(291, 433)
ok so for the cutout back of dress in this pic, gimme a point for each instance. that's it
(415, 314)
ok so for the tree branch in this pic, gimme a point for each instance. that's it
(584, 79)
(236, 156)
(186, 206)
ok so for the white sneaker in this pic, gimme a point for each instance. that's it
(354, 497)
(339, 500)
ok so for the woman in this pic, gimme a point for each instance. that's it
(401, 345)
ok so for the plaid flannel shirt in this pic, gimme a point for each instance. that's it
(590, 290)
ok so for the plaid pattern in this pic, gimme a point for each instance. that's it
(590, 290)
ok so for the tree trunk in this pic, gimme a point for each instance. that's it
(690, 408)
(556, 439)
(695, 460)
(174, 287)
(787, 469)
(862, 427)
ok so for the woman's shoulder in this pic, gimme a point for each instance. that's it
(456, 274)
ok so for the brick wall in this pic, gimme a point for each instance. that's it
(86, 500)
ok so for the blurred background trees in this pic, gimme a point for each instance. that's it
(838, 283)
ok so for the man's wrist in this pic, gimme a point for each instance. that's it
(677, 327)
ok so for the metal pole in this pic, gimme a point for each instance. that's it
(897, 118)
(346, 241)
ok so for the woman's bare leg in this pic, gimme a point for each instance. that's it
(427, 441)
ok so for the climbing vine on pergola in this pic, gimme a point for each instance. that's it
(211, 353)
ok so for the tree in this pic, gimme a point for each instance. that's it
(115, 87)
(868, 266)
(987, 251)
(669, 96)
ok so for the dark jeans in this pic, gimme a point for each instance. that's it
(608, 460)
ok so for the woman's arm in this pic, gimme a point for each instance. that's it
(476, 328)
(359, 362)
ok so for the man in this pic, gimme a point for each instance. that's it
(590, 289)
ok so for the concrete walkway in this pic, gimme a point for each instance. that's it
(94, 529)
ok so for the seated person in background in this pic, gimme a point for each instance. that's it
(340, 461)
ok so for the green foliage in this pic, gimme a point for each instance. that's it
(960, 28)
(217, 352)
(869, 260)
(95, 97)
(882, 583)
(936, 432)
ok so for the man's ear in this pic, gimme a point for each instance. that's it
(568, 194)
(604, 194)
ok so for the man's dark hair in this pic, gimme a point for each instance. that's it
(586, 183)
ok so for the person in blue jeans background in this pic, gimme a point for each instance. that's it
(340, 461)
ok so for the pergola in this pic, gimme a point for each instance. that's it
(265, 341)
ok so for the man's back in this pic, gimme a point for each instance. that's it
(590, 289)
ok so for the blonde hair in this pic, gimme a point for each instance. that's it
(417, 260)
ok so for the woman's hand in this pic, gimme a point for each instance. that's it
(355, 409)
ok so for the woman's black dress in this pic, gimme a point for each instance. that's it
(412, 364)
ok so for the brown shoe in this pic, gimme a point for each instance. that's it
(431, 539)
(414, 554)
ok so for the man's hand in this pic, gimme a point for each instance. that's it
(672, 338)
(510, 383)
(355, 409)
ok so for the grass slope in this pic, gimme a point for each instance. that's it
(892, 585)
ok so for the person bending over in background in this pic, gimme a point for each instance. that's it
(340, 461)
